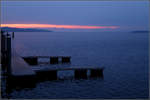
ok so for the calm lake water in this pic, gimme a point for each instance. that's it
(124, 56)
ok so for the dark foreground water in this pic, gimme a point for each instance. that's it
(124, 56)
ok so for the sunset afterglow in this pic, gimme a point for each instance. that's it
(57, 26)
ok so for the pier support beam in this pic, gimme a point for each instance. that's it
(80, 74)
(31, 60)
(65, 59)
(53, 60)
(46, 75)
(96, 73)
(22, 81)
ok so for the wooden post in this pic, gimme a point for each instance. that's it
(65, 59)
(53, 60)
(46, 75)
(52, 75)
(96, 73)
(8, 54)
(80, 73)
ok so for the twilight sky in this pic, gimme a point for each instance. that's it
(77, 16)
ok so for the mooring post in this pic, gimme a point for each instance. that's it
(54, 60)
(46, 75)
(65, 59)
(80, 73)
(53, 75)
(9, 54)
(96, 72)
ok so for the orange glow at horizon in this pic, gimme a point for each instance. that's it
(57, 26)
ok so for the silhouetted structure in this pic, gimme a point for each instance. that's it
(20, 73)
(54, 60)
(81, 73)
(31, 60)
(66, 59)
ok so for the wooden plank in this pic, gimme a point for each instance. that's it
(64, 68)
(45, 56)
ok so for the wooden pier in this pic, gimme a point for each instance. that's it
(33, 60)
(80, 72)
(21, 71)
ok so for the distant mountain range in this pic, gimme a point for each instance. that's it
(8, 29)
(140, 31)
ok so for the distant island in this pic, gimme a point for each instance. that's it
(140, 31)
(8, 29)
